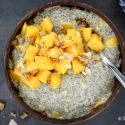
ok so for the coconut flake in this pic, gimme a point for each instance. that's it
(68, 56)
(88, 71)
(61, 57)
(88, 55)
(12, 122)
(68, 66)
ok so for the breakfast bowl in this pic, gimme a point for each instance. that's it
(71, 99)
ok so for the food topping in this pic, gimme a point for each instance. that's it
(95, 43)
(13, 114)
(2, 106)
(12, 122)
(24, 115)
(55, 114)
(46, 25)
(49, 55)
(111, 42)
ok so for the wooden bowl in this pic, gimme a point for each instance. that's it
(14, 91)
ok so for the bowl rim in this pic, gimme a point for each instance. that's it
(7, 50)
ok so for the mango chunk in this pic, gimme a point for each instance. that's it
(43, 52)
(34, 82)
(55, 52)
(46, 25)
(77, 66)
(43, 63)
(95, 43)
(86, 33)
(21, 47)
(17, 76)
(66, 25)
(72, 36)
(30, 53)
(24, 28)
(99, 102)
(75, 49)
(32, 32)
(102, 22)
(57, 42)
(18, 36)
(49, 40)
(68, 41)
(38, 40)
(55, 80)
(56, 114)
(31, 66)
(44, 76)
(111, 42)
(75, 35)
(31, 82)
(61, 66)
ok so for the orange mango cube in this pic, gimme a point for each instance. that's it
(95, 43)
(46, 25)
(77, 66)
(43, 63)
(55, 80)
(32, 32)
(75, 49)
(30, 53)
(43, 76)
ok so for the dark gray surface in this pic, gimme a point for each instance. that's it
(11, 12)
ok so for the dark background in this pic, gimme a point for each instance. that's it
(11, 11)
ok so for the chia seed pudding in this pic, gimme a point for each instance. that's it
(77, 94)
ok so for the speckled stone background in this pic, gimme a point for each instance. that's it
(11, 11)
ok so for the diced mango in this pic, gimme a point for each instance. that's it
(58, 53)
(99, 102)
(95, 43)
(43, 63)
(102, 22)
(96, 58)
(77, 66)
(31, 82)
(32, 32)
(55, 80)
(57, 42)
(75, 35)
(34, 82)
(21, 47)
(61, 66)
(111, 42)
(43, 52)
(72, 36)
(43, 76)
(68, 41)
(17, 76)
(38, 40)
(30, 53)
(55, 52)
(49, 40)
(55, 114)
(31, 66)
(46, 25)
(75, 49)
(24, 28)
(86, 33)
(18, 36)
(66, 25)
